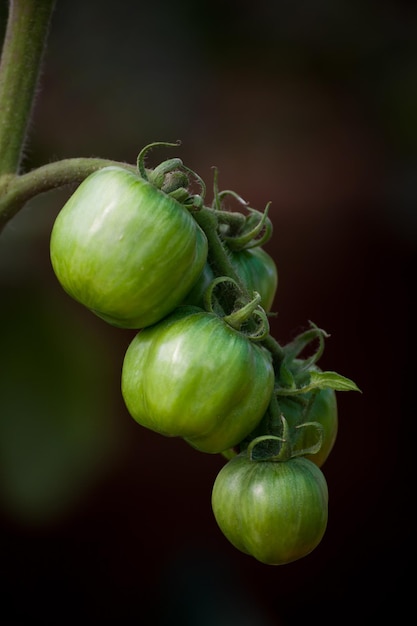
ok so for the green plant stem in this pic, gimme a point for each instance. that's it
(221, 263)
(276, 350)
(16, 190)
(217, 255)
(23, 48)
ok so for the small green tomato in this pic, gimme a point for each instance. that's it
(274, 511)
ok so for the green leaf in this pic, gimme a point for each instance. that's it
(323, 380)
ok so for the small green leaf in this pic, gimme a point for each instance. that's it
(323, 380)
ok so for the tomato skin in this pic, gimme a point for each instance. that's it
(126, 250)
(193, 376)
(323, 409)
(276, 512)
(256, 268)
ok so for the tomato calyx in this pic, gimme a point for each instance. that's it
(246, 314)
(250, 318)
(274, 440)
(279, 448)
(298, 382)
(172, 177)
(238, 230)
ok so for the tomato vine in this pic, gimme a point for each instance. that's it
(274, 406)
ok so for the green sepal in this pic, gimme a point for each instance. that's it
(286, 377)
(332, 380)
(321, 380)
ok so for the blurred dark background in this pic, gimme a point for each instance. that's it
(309, 105)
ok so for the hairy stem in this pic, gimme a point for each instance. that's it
(23, 48)
(16, 190)
(218, 257)
(276, 350)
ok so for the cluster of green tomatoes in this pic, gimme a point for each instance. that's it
(139, 249)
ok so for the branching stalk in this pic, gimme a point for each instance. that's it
(16, 190)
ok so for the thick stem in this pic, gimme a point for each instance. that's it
(276, 350)
(23, 47)
(15, 191)
(218, 257)
(221, 262)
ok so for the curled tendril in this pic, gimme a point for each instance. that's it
(141, 157)
(263, 452)
(271, 447)
(172, 177)
(262, 328)
(240, 316)
(247, 317)
(266, 446)
(294, 348)
(252, 236)
(198, 179)
(315, 447)
(229, 192)
(208, 297)
(240, 231)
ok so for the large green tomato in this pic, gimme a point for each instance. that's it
(255, 267)
(191, 375)
(274, 511)
(319, 406)
(126, 250)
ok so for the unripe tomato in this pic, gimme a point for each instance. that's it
(322, 409)
(255, 267)
(126, 250)
(191, 375)
(274, 511)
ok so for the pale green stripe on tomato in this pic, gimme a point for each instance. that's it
(275, 511)
(193, 376)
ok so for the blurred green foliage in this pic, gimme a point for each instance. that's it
(56, 430)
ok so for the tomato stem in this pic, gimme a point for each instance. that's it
(220, 262)
(276, 350)
(22, 53)
(23, 48)
(217, 254)
(16, 190)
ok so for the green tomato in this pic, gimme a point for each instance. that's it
(274, 511)
(321, 407)
(191, 375)
(126, 250)
(255, 267)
